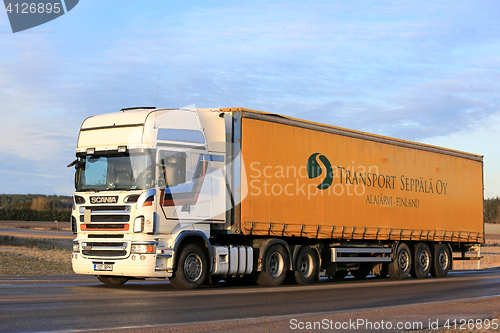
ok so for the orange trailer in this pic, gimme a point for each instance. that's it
(362, 202)
(318, 181)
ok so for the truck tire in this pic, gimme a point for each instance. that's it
(191, 269)
(362, 272)
(306, 266)
(400, 267)
(275, 266)
(441, 260)
(112, 280)
(422, 260)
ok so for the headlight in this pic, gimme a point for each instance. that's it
(76, 247)
(142, 248)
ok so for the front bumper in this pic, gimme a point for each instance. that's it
(136, 265)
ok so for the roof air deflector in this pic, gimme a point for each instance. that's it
(138, 108)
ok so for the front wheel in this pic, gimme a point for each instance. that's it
(275, 266)
(112, 280)
(400, 267)
(191, 269)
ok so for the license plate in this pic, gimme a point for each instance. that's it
(103, 267)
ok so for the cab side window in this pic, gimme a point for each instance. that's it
(172, 169)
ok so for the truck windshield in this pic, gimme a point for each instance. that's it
(133, 170)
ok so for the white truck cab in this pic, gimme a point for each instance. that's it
(145, 179)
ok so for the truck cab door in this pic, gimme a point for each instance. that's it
(185, 184)
(172, 179)
(200, 198)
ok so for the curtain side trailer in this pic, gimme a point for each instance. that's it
(200, 195)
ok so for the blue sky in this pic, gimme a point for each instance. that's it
(421, 71)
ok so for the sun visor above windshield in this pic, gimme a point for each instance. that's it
(111, 137)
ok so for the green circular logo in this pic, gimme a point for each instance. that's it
(314, 170)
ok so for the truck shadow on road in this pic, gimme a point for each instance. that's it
(233, 284)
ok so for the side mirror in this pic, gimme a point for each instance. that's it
(75, 162)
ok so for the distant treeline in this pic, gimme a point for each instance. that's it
(39, 207)
(35, 207)
(492, 210)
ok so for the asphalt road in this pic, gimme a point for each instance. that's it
(75, 303)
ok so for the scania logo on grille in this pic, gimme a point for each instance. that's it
(100, 200)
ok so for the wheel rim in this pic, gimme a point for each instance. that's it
(193, 267)
(443, 260)
(275, 264)
(404, 261)
(306, 266)
(424, 260)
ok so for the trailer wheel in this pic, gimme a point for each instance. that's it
(441, 262)
(191, 268)
(400, 267)
(112, 280)
(275, 266)
(422, 259)
(306, 266)
(362, 272)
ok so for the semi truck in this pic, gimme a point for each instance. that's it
(198, 195)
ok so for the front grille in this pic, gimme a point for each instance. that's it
(106, 244)
(104, 253)
(97, 227)
(104, 249)
(105, 236)
(110, 208)
(107, 218)
(112, 218)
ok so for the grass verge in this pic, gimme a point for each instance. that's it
(19, 264)
(34, 256)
